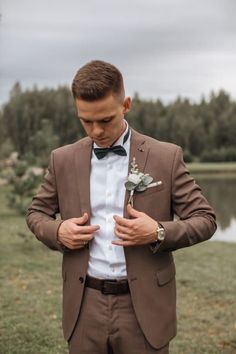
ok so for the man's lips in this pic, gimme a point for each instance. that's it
(102, 139)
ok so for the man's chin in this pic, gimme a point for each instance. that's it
(102, 143)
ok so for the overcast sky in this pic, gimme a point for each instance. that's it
(164, 48)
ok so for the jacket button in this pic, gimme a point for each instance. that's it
(81, 279)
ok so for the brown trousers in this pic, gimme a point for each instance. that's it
(107, 325)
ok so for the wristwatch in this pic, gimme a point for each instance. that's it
(160, 233)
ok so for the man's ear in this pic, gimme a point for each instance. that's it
(127, 104)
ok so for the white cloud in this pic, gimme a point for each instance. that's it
(164, 48)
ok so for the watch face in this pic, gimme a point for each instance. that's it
(161, 234)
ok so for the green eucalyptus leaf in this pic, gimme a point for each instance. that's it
(129, 185)
(141, 188)
(146, 180)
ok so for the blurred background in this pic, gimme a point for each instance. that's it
(178, 62)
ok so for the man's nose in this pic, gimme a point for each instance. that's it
(97, 130)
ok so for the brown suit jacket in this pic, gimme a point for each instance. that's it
(151, 274)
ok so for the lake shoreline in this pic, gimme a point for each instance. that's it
(212, 169)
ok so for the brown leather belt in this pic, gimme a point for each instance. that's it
(108, 286)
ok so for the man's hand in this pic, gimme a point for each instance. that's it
(139, 230)
(74, 235)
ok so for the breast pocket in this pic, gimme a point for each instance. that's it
(149, 191)
(150, 201)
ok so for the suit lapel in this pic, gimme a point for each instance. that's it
(83, 168)
(139, 150)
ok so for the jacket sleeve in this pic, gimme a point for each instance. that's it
(41, 214)
(196, 220)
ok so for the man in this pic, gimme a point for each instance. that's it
(118, 269)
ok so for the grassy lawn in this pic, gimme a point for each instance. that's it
(30, 295)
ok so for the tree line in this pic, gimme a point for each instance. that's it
(35, 121)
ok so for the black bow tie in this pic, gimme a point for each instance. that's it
(117, 149)
(102, 152)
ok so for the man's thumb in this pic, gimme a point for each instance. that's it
(81, 220)
(133, 212)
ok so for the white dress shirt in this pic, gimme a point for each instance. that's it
(107, 193)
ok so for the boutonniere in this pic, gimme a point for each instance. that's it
(138, 181)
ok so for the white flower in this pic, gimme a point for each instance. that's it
(135, 178)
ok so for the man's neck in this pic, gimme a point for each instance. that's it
(124, 124)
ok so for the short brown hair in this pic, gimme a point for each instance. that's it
(96, 80)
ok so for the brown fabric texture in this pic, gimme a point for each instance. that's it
(151, 273)
(107, 324)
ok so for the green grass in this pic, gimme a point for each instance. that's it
(30, 291)
(30, 295)
(206, 299)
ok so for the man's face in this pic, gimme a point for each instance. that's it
(103, 120)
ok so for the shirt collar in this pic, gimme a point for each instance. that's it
(121, 138)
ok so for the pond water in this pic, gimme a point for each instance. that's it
(220, 191)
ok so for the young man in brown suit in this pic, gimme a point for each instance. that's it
(119, 292)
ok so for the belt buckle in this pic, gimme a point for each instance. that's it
(106, 290)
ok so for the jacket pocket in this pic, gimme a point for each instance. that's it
(150, 191)
(166, 274)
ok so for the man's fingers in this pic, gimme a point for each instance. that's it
(85, 229)
(123, 243)
(122, 236)
(72, 233)
(123, 221)
(78, 241)
(83, 237)
(75, 239)
(123, 229)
